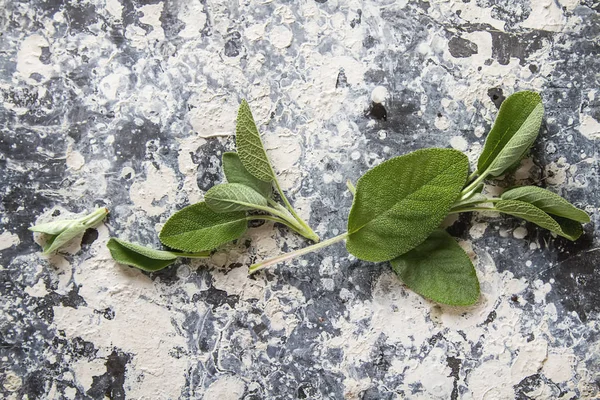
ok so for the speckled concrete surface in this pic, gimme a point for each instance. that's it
(129, 105)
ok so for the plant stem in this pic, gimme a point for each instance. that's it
(351, 187)
(271, 261)
(466, 192)
(471, 209)
(472, 176)
(95, 217)
(275, 219)
(307, 231)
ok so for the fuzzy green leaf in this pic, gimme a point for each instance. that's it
(139, 256)
(229, 197)
(440, 270)
(250, 147)
(401, 201)
(197, 228)
(54, 227)
(61, 232)
(236, 173)
(516, 128)
(547, 201)
(561, 226)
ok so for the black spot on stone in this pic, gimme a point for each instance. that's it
(454, 364)
(83, 348)
(232, 48)
(216, 298)
(497, 96)
(461, 48)
(369, 42)
(377, 111)
(490, 318)
(533, 68)
(514, 298)
(107, 313)
(56, 213)
(89, 237)
(45, 56)
(356, 21)
(80, 16)
(321, 1)
(341, 81)
(111, 384)
(256, 223)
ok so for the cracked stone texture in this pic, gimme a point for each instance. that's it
(130, 105)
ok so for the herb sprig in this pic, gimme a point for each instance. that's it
(396, 213)
(399, 205)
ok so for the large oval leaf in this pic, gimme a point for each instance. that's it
(561, 226)
(235, 172)
(516, 128)
(139, 256)
(547, 201)
(440, 270)
(249, 146)
(401, 201)
(197, 228)
(229, 197)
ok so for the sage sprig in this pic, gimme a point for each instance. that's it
(399, 205)
(61, 232)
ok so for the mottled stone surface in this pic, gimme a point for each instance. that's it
(129, 105)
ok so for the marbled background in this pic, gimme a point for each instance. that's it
(129, 105)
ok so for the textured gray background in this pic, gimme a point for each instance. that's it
(114, 104)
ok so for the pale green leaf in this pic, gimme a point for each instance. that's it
(197, 228)
(547, 201)
(561, 226)
(139, 256)
(57, 241)
(440, 270)
(229, 197)
(235, 172)
(401, 201)
(516, 128)
(54, 227)
(250, 147)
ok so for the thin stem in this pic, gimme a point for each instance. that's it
(95, 217)
(275, 219)
(466, 192)
(351, 187)
(271, 261)
(471, 209)
(308, 232)
(472, 176)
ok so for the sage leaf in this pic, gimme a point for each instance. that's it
(547, 201)
(229, 197)
(250, 147)
(440, 270)
(516, 128)
(197, 228)
(235, 172)
(561, 226)
(61, 232)
(139, 256)
(401, 201)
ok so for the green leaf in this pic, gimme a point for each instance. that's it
(516, 128)
(229, 197)
(57, 241)
(561, 226)
(236, 173)
(197, 228)
(63, 231)
(139, 256)
(547, 201)
(249, 146)
(54, 227)
(440, 270)
(401, 201)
